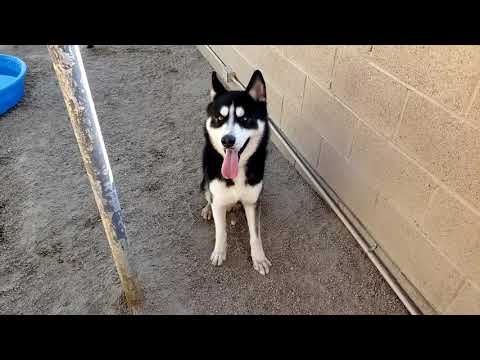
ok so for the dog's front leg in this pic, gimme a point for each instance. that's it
(260, 261)
(219, 253)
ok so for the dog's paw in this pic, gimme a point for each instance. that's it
(261, 263)
(218, 257)
(207, 212)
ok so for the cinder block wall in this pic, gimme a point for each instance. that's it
(395, 132)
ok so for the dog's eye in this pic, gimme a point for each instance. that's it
(220, 117)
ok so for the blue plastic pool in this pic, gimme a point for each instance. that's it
(12, 81)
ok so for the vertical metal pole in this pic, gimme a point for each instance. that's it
(68, 65)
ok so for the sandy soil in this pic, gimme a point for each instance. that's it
(54, 258)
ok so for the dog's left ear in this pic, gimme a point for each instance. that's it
(217, 86)
(256, 87)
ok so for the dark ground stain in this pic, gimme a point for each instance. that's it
(154, 186)
(91, 222)
(2, 233)
(157, 154)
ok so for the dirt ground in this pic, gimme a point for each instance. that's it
(54, 257)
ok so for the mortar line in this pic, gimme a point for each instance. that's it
(428, 206)
(354, 137)
(436, 181)
(472, 100)
(460, 118)
(400, 119)
(462, 286)
(332, 74)
(439, 250)
(411, 159)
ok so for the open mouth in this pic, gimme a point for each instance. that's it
(230, 162)
(241, 150)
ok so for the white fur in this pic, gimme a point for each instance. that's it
(260, 261)
(224, 111)
(241, 136)
(219, 253)
(225, 196)
(239, 111)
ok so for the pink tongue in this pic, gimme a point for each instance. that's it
(230, 164)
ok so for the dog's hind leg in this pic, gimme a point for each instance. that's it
(260, 261)
(207, 212)
(207, 209)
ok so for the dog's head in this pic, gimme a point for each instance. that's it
(236, 121)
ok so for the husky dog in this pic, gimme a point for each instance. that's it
(236, 138)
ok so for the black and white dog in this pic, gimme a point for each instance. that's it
(236, 134)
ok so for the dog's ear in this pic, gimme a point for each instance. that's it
(256, 87)
(217, 86)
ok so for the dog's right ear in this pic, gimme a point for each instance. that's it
(217, 86)
(256, 87)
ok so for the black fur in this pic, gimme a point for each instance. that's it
(212, 160)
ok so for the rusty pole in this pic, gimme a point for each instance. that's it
(68, 65)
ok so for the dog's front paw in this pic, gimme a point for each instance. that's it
(261, 263)
(218, 257)
(207, 212)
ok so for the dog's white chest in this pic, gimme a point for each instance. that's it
(241, 191)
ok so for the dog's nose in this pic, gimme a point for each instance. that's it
(228, 141)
